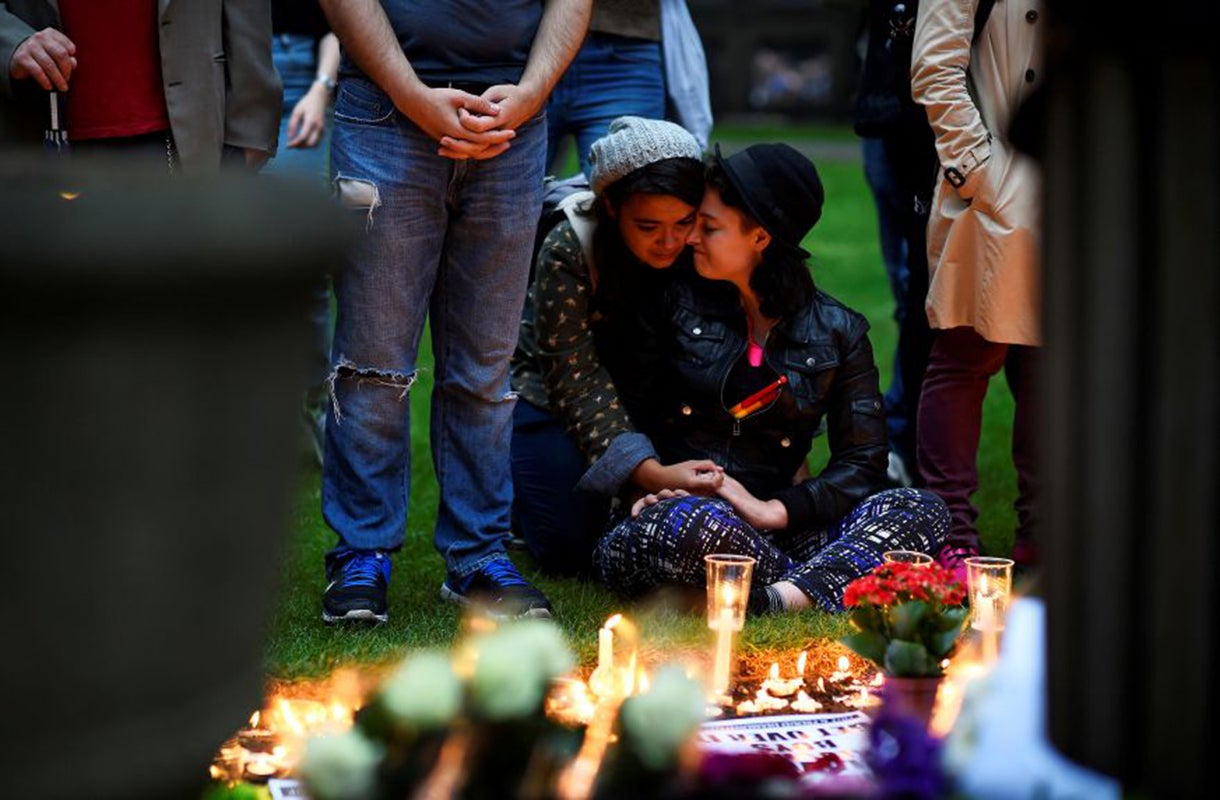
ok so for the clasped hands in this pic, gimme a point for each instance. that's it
(708, 478)
(472, 126)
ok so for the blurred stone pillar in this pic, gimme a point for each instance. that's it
(155, 336)
(1131, 158)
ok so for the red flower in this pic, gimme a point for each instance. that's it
(889, 584)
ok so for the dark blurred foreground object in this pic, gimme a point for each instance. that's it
(157, 337)
(1130, 120)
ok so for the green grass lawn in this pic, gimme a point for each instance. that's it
(846, 263)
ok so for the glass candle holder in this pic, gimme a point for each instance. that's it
(728, 589)
(989, 583)
(907, 557)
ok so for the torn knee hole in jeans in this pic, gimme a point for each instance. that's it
(358, 194)
(367, 375)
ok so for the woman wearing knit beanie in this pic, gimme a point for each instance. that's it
(749, 362)
(600, 271)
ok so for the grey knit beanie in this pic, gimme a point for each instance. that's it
(635, 142)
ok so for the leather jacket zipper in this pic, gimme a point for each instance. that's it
(736, 430)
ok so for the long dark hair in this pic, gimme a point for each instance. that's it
(782, 281)
(619, 272)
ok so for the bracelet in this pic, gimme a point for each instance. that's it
(326, 81)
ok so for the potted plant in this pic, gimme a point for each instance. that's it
(907, 621)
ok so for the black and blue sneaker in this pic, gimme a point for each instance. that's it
(356, 591)
(498, 590)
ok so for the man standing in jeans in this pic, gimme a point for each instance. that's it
(439, 143)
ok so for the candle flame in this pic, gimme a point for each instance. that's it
(800, 664)
(289, 714)
(843, 663)
(612, 621)
(641, 682)
(66, 195)
(774, 671)
(254, 719)
(944, 664)
(878, 679)
(821, 685)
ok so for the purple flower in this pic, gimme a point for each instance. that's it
(904, 758)
(738, 775)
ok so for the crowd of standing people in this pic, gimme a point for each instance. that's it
(644, 388)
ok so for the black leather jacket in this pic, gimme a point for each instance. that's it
(825, 353)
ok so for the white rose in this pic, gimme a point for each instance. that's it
(424, 692)
(341, 766)
(514, 666)
(660, 722)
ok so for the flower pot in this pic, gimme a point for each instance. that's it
(911, 697)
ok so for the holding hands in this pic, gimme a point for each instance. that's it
(701, 476)
(763, 515)
(705, 477)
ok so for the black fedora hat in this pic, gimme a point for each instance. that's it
(779, 188)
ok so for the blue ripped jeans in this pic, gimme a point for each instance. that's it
(448, 241)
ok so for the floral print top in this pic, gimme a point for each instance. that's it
(556, 365)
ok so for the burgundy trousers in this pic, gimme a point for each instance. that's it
(950, 419)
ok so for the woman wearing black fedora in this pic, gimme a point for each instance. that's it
(752, 359)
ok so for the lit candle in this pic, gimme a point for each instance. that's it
(728, 580)
(861, 700)
(805, 704)
(260, 767)
(606, 680)
(766, 702)
(781, 687)
(254, 738)
(841, 674)
(570, 703)
(724, 645)
(986, 617)
(605, 649)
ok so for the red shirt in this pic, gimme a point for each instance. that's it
(115, 89)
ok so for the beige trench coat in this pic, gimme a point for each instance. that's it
(220, 86)
(983, 235)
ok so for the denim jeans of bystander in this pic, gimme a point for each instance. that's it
(612, 76)
(448, 241)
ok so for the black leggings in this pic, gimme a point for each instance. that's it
(666, 544)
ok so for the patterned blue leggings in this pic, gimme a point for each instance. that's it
(666, 544)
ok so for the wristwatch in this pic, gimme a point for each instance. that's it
(326, 81)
